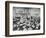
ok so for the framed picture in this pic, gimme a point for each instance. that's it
(24, 18)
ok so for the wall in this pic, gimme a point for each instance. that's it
(2, 19)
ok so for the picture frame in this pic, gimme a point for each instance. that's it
(32, 12)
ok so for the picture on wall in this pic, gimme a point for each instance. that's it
(24, 18)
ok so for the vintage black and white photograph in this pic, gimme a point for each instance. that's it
(24, 18)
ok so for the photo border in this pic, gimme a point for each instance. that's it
(7, 18)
